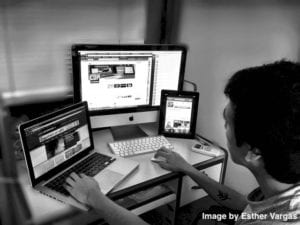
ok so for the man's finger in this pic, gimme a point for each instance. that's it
(85, 177)
(165, 149)
(161, 153)
(68, 188)
(74, 176)
(70, 181)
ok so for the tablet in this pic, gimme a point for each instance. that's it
(178, 113)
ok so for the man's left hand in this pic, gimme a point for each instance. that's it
(82, 187)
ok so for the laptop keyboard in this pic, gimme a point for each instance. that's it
(90, 166)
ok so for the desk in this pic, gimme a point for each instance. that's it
(148, 174)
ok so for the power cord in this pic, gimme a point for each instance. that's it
(195, 88)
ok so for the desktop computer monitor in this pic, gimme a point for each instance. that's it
(122, 83)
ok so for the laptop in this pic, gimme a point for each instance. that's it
(61, 142)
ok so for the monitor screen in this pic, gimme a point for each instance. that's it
(126, 79)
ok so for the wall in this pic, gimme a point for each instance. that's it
(225, 37)
(36, 36)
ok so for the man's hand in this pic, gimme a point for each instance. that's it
(82, 188)
(173, 162)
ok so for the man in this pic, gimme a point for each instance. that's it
(262, 123)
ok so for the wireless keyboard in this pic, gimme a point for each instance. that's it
(139, 146)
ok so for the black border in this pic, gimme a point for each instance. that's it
(115, 47)
(48, 175)
(178, 94)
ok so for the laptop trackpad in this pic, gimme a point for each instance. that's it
(108, 179)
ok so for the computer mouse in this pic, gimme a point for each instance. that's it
(158, 159)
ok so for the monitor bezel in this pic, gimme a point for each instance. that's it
(116, 47)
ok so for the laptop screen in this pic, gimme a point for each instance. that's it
(54, 139)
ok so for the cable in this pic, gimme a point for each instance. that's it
(195, 88)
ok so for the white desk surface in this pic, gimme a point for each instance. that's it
(44, 208)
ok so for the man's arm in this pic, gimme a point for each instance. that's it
(87, 191)
(223, 195)
(220, 193)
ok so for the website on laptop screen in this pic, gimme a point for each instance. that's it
(56, 140)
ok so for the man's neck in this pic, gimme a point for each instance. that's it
(269, 186)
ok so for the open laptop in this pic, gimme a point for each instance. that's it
(61, 142)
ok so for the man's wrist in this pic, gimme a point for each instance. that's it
(93, 198)
(187, 169)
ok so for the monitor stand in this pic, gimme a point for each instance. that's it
(127, 132)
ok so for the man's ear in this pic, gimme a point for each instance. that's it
(253, 156)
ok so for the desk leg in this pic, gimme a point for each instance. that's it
(178, 197)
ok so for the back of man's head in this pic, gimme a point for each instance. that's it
(266, 105)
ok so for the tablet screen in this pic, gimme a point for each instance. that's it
(178, 113)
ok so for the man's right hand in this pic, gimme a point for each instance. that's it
(173, 162)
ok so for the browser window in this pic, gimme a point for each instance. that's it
(117, 80)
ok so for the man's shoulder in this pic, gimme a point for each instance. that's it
(283, 208)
